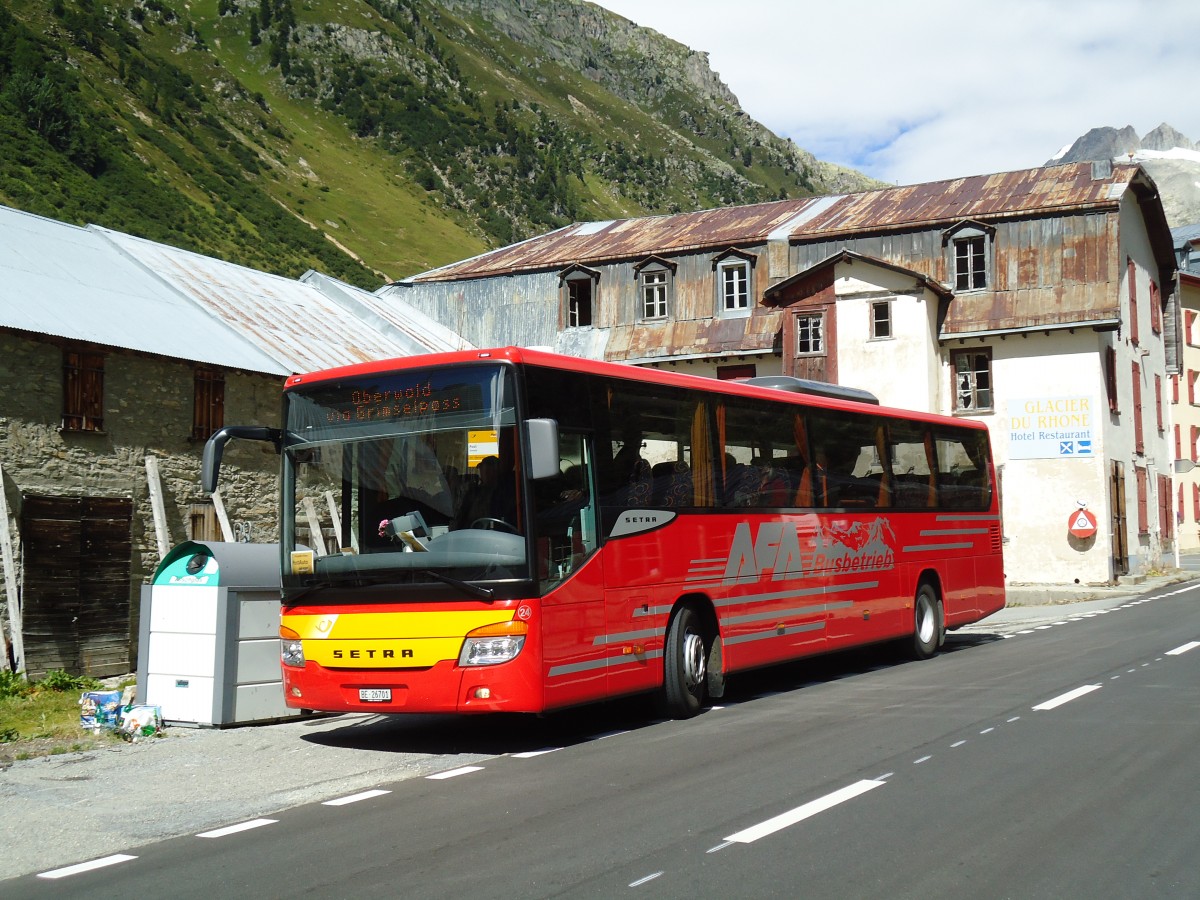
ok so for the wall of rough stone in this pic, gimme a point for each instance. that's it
(148, 404)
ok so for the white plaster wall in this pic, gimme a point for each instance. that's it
(1151, 550)
(1185, 416)
(902, 370)
(1039, 495)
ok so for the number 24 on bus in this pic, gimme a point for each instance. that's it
(628, 530)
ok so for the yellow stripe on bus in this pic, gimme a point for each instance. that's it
(381, 653)
(392, 625)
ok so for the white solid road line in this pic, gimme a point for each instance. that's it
(800, 813)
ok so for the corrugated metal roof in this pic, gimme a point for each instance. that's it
(1026, 192)
(595, 242)
(1076, 186)
(69, 282)
(101, 286)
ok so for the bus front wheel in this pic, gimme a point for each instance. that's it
(928, 623)
(685, 665)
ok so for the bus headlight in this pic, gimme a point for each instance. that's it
(291, 648)
(493, 644)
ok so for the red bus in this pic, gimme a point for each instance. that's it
(513, 530)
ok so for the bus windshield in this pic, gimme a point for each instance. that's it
(403, 478)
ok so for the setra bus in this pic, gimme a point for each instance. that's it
(515, 530)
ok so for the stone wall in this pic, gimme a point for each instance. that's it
(148, 404)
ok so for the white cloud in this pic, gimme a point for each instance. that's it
(912, 92)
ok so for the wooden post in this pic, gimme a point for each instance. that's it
(161, 534)
(10, 585)
(222, 517)
(314, 526)
(336, 516)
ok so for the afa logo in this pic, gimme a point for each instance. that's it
(777, 549)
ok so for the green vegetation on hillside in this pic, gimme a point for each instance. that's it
(368, 139)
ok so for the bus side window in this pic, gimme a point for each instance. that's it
(962, 470)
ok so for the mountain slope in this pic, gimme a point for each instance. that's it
(369, 139)
(1171, 159)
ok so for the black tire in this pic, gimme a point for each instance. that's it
(685, 665)
(929, 624)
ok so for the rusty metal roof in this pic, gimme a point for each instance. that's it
(1058, 189)
(1077, 186)
(597, 242)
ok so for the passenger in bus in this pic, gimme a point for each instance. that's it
(628, 482)
(478, 501)
(836, 483)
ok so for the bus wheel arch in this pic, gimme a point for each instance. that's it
(929, 618)
(693, 670)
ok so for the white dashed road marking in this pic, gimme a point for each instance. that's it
(800, 813)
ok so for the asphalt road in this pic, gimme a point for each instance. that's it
(1049, 757)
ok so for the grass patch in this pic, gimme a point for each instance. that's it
(42, 718)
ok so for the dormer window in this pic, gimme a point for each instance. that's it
(578, 286)
(969, 255)
(735, 277)
(656, 279)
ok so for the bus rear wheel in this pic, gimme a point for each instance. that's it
(685, 665)
(928, 622)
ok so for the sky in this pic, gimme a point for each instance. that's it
(925, 90)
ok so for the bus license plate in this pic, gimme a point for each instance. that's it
(375, 695)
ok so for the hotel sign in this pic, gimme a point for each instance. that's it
(1051, 428)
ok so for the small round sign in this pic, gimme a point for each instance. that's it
(1082, 524)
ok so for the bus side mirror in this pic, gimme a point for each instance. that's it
(214, 447)
(542, 435)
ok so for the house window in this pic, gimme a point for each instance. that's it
(735, 373)
(810, 335)
(1143, 511)
(970, 263)
(1189, 328)
(1155, 309)
(208, 407)
(1166, 524)
(734, 280)
(1158, 402)
(881, 319)
(654, 293)
(1139, 440)
(1110, 379)
(1133, 307)
(972, 373)
(579, 302)
(83, 391)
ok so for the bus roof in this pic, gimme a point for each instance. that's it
(545, 358)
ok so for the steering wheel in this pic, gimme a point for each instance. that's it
(487, 523)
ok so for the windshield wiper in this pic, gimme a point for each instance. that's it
(360, 581)
(473, 589)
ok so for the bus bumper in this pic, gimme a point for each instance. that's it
(445, 687)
